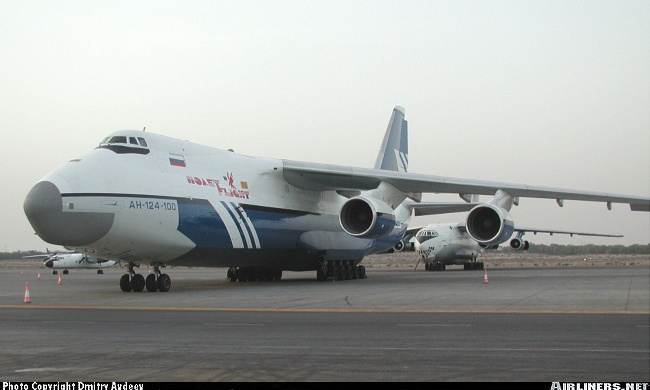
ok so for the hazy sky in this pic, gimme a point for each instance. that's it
(553, 93)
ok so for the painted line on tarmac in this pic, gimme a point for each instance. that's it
(251, 309)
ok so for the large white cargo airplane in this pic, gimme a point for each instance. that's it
(146, 198)
(441, 244)
(67, 261)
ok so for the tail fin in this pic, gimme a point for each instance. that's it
(393, 154)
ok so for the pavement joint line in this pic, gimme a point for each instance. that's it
(235, 309)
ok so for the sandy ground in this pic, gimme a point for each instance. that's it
(493, 259)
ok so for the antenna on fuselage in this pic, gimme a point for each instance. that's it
(144, 128)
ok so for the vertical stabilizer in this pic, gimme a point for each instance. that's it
(393, 154)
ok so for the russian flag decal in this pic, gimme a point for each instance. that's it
(177, 160)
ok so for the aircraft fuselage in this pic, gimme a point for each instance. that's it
(169, 201)
(447, 244)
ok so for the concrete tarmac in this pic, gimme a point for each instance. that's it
(568, 324)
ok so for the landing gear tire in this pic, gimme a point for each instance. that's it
(164, 283)
(231, 276)
(474, 266)
(357, 272)
(362, 272)
(342, 272)
(348, 272)
(435, 266)
(100, 271)
(65, 272)
(137, 283)
(331, 271)
(154, 282)
(150, 283)
(125, 283)
(337, 270)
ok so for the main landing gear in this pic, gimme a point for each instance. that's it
(253, 274)
(340, 270)
(474, 266)
(440, 266)
(154, 282)
(329, 270)
(435, 266)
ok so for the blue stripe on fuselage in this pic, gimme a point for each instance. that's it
(281, 228)
(244, 220)
(200, 222)
(235, 220)
(276, 228)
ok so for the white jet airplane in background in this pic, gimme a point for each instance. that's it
(144, 198)
(441, 244)
(73, 260)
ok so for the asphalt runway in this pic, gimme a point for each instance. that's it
(568, 324)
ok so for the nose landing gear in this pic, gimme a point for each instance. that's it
(154, 282)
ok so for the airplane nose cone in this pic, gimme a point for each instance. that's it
(43, 207)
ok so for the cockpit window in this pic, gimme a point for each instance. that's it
(118, 139)
(122, 144)
(427, 233)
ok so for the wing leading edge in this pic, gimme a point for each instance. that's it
(326, 177)
(551, 232)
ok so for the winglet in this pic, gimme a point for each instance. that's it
(393, 154)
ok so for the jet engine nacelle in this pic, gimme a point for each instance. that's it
(366, 217)
(488, 225)
(519, 244)
(403, 246)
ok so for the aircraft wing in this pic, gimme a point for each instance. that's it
(434, 208)
(551, 232)
(326, 177)
(36, 257)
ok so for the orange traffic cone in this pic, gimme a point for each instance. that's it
(28, 299)
(485, 279)
(39, 274)
(60, 282)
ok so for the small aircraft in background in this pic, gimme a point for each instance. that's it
(72, 260)
(441, 244)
